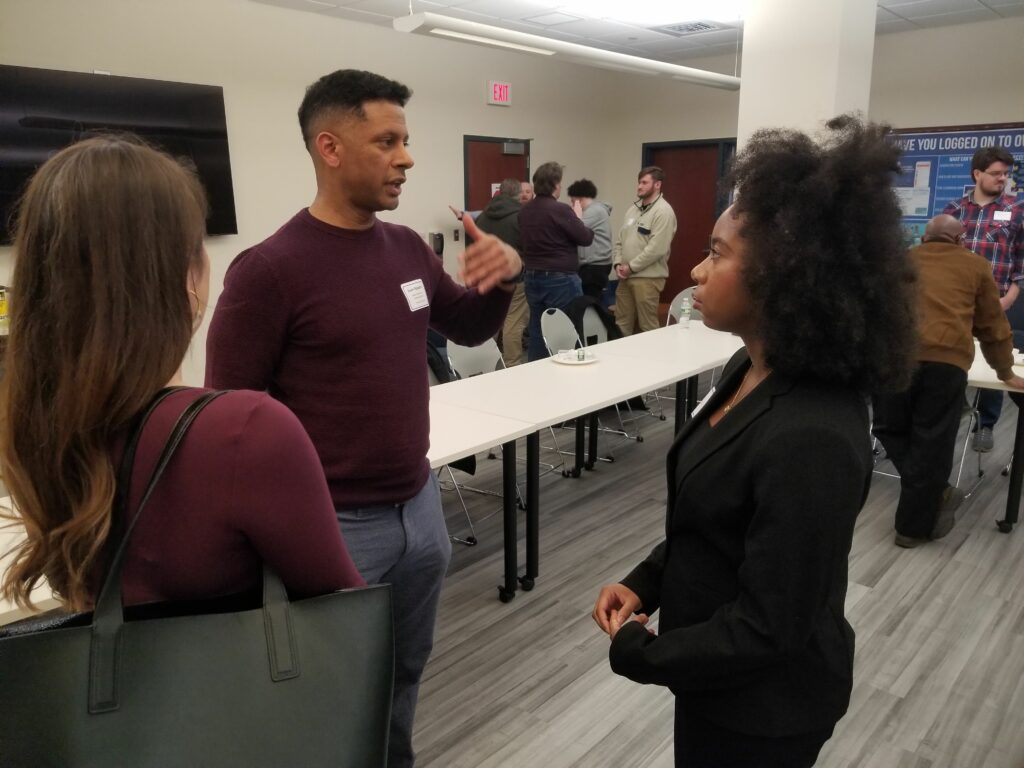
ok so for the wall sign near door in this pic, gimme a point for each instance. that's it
(499, 93)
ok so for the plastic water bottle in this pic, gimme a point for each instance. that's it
(684, 312)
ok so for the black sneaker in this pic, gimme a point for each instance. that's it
(952, 498)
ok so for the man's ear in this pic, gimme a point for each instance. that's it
(328, 148)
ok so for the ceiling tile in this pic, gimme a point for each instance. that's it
(354, 14)
(910, 9)
(1001, 4)
(882, 15)
(594, 28)
(502, 9)
(715, 50)
(958, 17)
(716, 37)
(554, 18)
(897, 25)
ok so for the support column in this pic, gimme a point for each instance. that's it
(804, 61)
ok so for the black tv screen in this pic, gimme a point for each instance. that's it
(45, 110)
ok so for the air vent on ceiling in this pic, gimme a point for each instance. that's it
(685, 28)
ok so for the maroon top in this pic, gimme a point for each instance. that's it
(333, 323)
(550, 232)
(243, 487)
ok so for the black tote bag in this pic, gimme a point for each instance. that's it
(300, 683)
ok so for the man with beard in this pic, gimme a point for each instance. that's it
(994, 223)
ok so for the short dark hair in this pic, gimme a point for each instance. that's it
(653, 171)
(546, 178)
(510, 188)
(346, 90)
(983, 158)
(825, 263)
(582, 188)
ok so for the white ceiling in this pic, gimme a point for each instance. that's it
(549, 19)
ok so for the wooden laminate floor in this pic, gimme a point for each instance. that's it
(939, 672)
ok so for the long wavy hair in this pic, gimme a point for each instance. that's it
(100, 319)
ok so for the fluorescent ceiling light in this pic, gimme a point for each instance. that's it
(655, 13)
(488, 41)
(482, 34)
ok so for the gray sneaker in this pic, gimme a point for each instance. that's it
(982, 441)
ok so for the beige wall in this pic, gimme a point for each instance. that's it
(592, 120)
(960, 75)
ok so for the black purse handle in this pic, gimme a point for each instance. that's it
(108, 615)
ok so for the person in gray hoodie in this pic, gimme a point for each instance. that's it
(596, 258)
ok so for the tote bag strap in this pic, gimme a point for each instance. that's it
(108, 616)
(124, 471)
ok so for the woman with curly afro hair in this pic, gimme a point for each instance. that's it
(809, 268)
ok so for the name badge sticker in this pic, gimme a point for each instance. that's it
(1001, 216)
(415, 294)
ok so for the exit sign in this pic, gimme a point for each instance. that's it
(499, 93)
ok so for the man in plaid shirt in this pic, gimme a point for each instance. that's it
(994, 222)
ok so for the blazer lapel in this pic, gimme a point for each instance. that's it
(729, 428)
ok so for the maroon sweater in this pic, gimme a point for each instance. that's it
(318, 316)
(244, 487)
(550, 232)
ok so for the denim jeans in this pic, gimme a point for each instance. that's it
(404, 545)
(545, 290)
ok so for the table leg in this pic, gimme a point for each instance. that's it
(1016, 470)
(532, 511)
(686, 400)
(581, 428)
(591, 441)
(508, 504)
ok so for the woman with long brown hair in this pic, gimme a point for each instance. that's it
(111, 280)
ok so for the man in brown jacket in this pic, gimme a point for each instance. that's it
(957, 299)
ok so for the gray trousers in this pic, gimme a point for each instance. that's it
(406, 546)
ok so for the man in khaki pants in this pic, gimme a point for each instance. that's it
(641, 254)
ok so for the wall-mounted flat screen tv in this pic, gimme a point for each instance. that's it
(45, 110)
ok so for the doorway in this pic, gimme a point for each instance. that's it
(693, 170)
(488, 160)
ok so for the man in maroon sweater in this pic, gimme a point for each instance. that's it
(330, 316)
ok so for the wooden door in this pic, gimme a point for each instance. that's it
(692, 174)
(490, 160)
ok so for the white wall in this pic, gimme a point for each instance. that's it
(592, 120)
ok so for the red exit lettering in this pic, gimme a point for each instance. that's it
(500, 92)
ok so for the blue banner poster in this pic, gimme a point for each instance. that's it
(936, 168)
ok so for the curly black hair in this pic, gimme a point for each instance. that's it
(582, 188)
(347, 90)
(826, 265)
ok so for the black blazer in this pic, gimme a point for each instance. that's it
(752, 575)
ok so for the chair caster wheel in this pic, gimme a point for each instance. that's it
(639, 438)
(661, 418)
(471, 541)
(526, 583)
(1003, 526)
(520, 506)
(505, 595)
(609, 459)
(1005, 472)
(565, 473)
